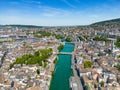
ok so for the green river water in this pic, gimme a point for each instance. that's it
(62, 72)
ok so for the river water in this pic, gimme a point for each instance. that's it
(62, 72)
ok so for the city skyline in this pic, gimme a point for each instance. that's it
(57, 12)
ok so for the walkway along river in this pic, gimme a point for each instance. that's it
(62, 71)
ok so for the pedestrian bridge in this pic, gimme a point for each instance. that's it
(64, 53)
(73, 42)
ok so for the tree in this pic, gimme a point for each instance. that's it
(81, 38)
(58, 36)
(37, 53)
(44, 64)
(1, 42)
(102, 83)
(29, 78)
(118, 67)
(55, 61)
(38, 71)
(37, 58)
(24, 43)
(11, 65)
(60, 47)
(42, 33)
(100, 38)
(68, 39)
(48, 42)
(52, 73)
(117, 42)
(87, 64)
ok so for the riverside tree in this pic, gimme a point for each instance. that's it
(39, 57)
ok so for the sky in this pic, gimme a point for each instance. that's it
(57, 12)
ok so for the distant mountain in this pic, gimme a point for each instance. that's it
(107, 22)
(34, 26)
(25, 26)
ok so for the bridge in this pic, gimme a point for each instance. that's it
(73, 42)
(64, 53)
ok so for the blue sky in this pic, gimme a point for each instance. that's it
(57, 12)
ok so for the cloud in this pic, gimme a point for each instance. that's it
(38, 13)
(68, 3)
(32, 1)
(51, 11)
(47, 8)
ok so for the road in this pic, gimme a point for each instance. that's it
(3, 58)
(77, 78)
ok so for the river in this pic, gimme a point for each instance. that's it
(62, 72)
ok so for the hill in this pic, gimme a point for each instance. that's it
(25, 26)
(107, 22)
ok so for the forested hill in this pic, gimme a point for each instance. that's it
(107, 22)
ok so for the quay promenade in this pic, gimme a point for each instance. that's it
(76, 77)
